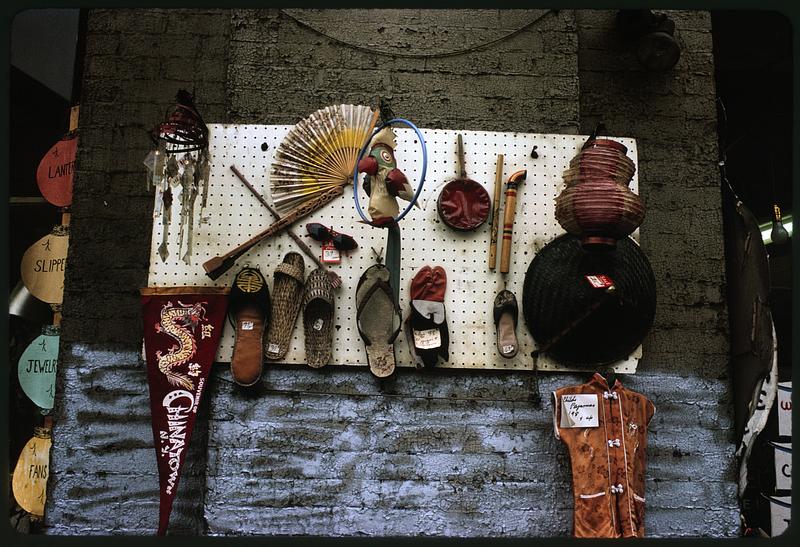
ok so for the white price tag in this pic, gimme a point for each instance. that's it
(330, 255)
(579, 410)
(247, 325)
(318, 324)
(427, 339)
(273, 348)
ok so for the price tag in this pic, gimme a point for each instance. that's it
(427, 339)
(330, 254)
(579, 410)
(599, 281)
(247, 325)
(273, 348)
(318, 324)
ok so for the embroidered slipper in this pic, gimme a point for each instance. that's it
(426, 325)
(375, 318)
(287, 293)
(249, 313)
(318, 318)
(505, 321)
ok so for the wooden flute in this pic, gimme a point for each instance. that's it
(508, 217)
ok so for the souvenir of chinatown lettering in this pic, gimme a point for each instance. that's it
(29, 482)
(43, 264)
(37, 368)
(182, 328)
(608, 458)
(56, 171)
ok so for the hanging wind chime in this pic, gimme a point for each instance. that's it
(179, 162)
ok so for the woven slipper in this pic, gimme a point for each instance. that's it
(318, 318)
(375, 318)
(287, 293)
(249, 313)
(505, 312)
(426, 325)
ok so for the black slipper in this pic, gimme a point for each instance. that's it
(505, 322)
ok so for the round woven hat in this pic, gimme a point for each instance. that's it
(572, 314)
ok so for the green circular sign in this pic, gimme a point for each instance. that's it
(37, 370)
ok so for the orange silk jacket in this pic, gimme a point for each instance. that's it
(605, 430)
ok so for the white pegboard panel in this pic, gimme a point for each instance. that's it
(235, 215)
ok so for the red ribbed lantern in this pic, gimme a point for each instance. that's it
(597, 204)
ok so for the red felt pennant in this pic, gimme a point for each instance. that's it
(182, 329)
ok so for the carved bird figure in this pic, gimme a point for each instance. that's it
(384, 182)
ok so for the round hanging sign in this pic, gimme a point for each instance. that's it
(37, 368)
(56, 171)
(29, 482)
(42, 268)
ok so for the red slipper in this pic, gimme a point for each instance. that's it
(421, 283)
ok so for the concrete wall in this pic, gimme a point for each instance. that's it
(334, 452)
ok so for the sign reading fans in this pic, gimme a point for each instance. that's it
(182, 328)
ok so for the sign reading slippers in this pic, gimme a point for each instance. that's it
(182, 327)
(606, 437)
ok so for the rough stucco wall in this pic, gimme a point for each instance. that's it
(673, 117)
(104, 478)
(335, 452)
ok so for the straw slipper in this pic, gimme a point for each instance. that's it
(287, 297)
(426, 325)
(318, 318)
(376, 315)
(505, 321)
(249, 312)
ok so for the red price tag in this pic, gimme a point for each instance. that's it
(599, 281)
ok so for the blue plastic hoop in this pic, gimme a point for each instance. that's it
(411, 203)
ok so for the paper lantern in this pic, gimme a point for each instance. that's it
(597, 204)
(42, 267)
(37, 368)
(29, 482)
(56, 172)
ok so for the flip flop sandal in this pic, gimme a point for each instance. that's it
(375, 318)
(505, 321)
(287, 292)
(249, 313)
(426, 326)
(318, 318)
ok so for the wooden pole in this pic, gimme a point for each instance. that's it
(498, 184)
(218, 265)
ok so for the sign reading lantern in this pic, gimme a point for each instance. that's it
(56, 171)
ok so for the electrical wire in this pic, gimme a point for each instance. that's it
(417, 55)
(723, 152)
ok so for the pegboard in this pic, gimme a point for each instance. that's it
(234, 215)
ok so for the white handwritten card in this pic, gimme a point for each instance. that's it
(579, 410)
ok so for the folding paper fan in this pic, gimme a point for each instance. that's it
(318, 153)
